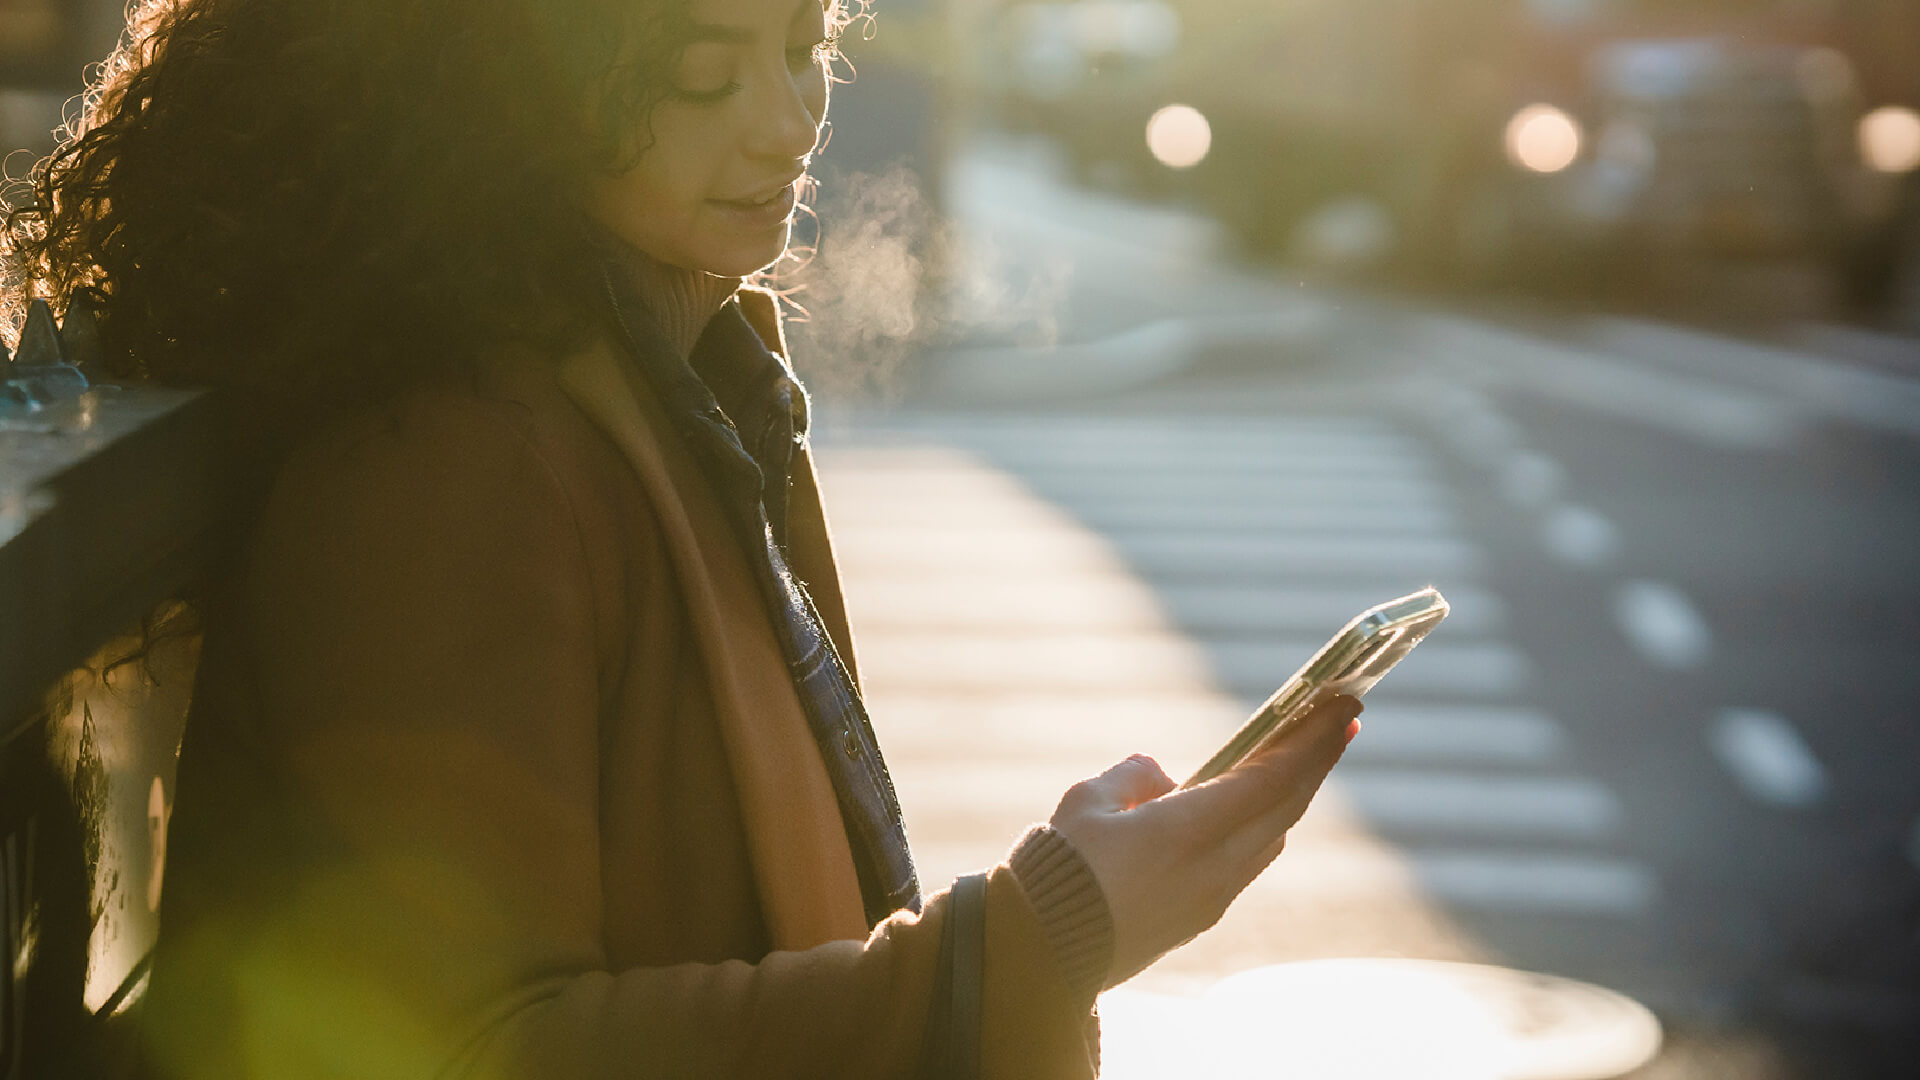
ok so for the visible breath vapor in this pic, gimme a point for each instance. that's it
(891, 278)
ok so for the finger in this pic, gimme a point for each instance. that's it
(1136, 780)
(1335, 712)
(1257, 785)
(1245, 855)
(1308, 770)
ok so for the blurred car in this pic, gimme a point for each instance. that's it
(1497, 137)
(1662, 129)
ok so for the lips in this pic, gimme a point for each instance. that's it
(767, 210)
(763, 197)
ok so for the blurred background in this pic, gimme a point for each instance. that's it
(1154, 339)
(1151, 340)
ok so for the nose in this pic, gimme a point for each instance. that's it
(789, 124)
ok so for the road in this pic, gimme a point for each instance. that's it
(1668, 744)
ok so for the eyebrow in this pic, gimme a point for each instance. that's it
(736, 35)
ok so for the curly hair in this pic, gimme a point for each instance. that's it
(317, 200)
(311, 203)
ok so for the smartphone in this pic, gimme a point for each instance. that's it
(1358, 657)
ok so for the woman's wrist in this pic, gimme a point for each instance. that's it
(1071, 907)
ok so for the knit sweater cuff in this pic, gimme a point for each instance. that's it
(1072, 909)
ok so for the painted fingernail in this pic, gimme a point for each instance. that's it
(1353, 729)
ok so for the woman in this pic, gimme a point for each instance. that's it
(526, 740)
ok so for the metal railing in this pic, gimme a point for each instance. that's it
(108, 507)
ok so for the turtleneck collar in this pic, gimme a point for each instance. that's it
(731, 396)
(679, 303)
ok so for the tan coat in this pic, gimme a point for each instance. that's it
(496, 770)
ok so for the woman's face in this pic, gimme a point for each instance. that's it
(715, 191)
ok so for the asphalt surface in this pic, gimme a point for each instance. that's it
(1669, 744)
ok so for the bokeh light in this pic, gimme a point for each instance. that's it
(1890, 139)
(1543, 139)
(1179, 136)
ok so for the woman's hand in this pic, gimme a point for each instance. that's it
(1171, 861)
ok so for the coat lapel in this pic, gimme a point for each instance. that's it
(803, 866)
(811, 557)
(809, 540)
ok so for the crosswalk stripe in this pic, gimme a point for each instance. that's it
(1265, 456)
(1003, 663)
(1454, 804)
(1109, 599)
(1457, 734)
(1145, 458)
(1265, 515)
(1769, 758)
(1480, 803)
(1169, 492)
(976, 551)
(1180, 729)
(1536, 883)
(1495, 881)
(885, 601)
(1320, 488)
(1662, 624)
(1200, 454)
(1250, 607)
(1146, 445)
(1189, 556)
(907, 502)
(1067, 429)
(1213, 555)
(1482, 671)
(944, 483)
(1043, 595)
(1087, 662)
(1544, 883)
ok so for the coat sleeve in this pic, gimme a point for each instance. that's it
(423, 623)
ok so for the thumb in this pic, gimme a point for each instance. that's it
(1136, 780)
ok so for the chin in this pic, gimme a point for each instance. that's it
(746, 256)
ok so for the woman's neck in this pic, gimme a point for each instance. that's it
(681, 302)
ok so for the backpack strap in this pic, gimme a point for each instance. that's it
(953, 1028)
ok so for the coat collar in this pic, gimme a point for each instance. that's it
(803, 866)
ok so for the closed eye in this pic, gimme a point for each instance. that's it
(709, 97)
